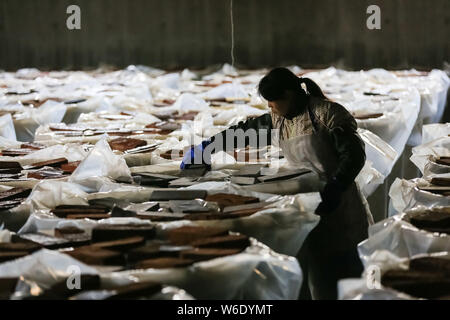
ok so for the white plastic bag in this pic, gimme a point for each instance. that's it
(378, 152)
(434, 131)
(227, 90)
(423, 156)
(257, 273)
(189, 102)
(398, 236)
(50, 194)
(6, 143)
(405, 195)
(283, 225)
(7, 130)
(369, 179)
(5, 235)
(369, 287)
(72, 152)
(101, 162)
(27, 123)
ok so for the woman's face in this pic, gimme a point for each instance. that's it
(282, 107)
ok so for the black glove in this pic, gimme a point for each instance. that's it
(331, 197)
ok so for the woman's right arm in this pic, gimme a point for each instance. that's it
(244, 134)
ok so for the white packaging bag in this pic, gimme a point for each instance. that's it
(258, 273)
(227, 90)
(7, 130)
(27, 123)
(398, 236)
(189, 102)
(100, 163)
(369, 287)
(434, 131)
(423, 156)
(405, 195)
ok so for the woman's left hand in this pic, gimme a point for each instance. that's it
(331, 198)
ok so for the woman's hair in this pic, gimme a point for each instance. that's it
(273, 85)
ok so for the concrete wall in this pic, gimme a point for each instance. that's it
(197, 33)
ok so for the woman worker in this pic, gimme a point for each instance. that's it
(319, 134)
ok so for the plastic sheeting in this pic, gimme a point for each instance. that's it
(227, 90)
(44, 196)
(166, 293)
(129, 90)
(378, 152)
(257, 273)
(406, 103)
(44, 135)
(27, 122)
(357, 289)
(5, 235)
(189, 102)
(424, 156)
(369, 179)
(369, 287)
(133, 89)
(434, 131)
(401, 238)
(398, 119)
(7, 130)
(100, 162)
(226, 71)
(7, 143)
(405, 194)
(72, 152)
(239, 112)
(44, 268)
(433, 92)
(50, 194)
(284, 225)
(121, 90)
(104, 118)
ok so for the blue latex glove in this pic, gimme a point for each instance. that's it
(197, 156)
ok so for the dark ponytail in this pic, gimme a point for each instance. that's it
(274, 85)
(313, 88)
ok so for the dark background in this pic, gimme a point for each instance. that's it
(173, 34)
